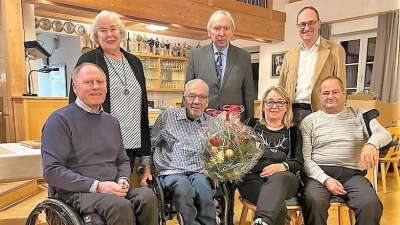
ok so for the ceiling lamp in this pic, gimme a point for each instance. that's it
(154, 27)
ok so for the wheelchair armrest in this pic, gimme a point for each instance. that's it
(386, 147)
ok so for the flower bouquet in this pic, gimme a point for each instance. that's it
(231, 149)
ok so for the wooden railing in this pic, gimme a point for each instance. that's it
(260, 3)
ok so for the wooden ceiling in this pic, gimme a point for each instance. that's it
(185, 18)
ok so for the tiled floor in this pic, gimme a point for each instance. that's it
(17, 214)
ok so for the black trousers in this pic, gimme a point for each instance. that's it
(269, 195)
(132, 155)
(361, 197)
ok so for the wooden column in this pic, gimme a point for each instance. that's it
(13, 47)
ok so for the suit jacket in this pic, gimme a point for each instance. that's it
(237, 85)
(331, 61)
(96, 56)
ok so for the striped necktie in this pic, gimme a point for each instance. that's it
(218, 66)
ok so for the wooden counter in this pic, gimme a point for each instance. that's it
(178, 103)
(30, 113)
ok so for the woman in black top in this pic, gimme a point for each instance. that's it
(273, 179)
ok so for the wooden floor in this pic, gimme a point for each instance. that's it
(17, 214)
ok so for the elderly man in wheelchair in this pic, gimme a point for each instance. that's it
(175, 144)
(85, 163)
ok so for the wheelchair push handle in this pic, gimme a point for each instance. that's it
(370, 115)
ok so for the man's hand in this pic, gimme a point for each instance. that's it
(123, 183)
(271, 169)
(146, 176)
(369, 157)
(109, 187)
(334, 186)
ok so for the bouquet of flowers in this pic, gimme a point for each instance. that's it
(231, 149)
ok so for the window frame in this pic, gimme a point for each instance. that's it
(362, 59)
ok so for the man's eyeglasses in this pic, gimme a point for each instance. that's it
(270, 103)
(90, 83)
(193, 97)
(310, 24)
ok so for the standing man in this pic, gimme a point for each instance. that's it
(224, 67)
(337, 151)
(305, 66)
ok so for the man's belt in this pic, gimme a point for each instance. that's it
(304, 106)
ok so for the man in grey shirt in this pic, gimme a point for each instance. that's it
(337, 151)
(176, 142)
(84, 158)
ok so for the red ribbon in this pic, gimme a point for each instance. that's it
(227, 108)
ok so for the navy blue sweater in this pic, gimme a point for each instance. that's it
(79, 147)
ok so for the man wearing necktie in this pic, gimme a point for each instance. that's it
(224, 67)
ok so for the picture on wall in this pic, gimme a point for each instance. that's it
(277, 62)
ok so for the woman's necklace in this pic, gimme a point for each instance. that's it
(126, 90)
(274, 127)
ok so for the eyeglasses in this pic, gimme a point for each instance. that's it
(91, 83)
(193, 97)
(326, 94)
(271, 103)
(310, 24)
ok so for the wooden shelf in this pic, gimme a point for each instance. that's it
(141, 54)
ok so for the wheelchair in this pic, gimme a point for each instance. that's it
(58, 212)
(166, 209)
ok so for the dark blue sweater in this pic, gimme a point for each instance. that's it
(79, 147)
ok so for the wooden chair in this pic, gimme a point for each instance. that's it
(392, 156)
(292, 205)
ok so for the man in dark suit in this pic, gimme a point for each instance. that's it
(224, 67)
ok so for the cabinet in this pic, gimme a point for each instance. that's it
(163, 73)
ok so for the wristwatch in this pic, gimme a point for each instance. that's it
(286, 166)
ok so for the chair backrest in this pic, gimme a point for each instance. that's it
(394, 151)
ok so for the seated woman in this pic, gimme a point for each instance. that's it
(273, 179)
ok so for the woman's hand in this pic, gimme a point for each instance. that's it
(271, 169)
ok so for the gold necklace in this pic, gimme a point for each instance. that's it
(276, 127)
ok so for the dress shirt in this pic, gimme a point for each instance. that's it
(307, 61)
(223, 56)
(176, 142)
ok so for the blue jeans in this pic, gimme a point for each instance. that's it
(192, 196)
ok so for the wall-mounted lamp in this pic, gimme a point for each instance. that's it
(34, 50)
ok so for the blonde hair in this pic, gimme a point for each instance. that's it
(111, 15)
(287, 118)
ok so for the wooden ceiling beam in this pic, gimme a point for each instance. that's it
(251, 22)
(62, 16)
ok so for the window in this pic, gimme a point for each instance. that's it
(360, 51)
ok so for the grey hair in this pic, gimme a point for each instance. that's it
(111, 15)
(77, 69)
(218, 15)
(190, 82)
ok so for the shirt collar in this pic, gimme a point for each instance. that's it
(224, 52)
(85, 107)
(182, 115)
(315, 45)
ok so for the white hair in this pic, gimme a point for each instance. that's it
(111, 15)
(218, 15)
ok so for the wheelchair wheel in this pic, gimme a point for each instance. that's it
(57, 213)
(157, 189)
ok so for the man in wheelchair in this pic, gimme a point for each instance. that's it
(176, 141)
(338, 148)
(84, 158)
